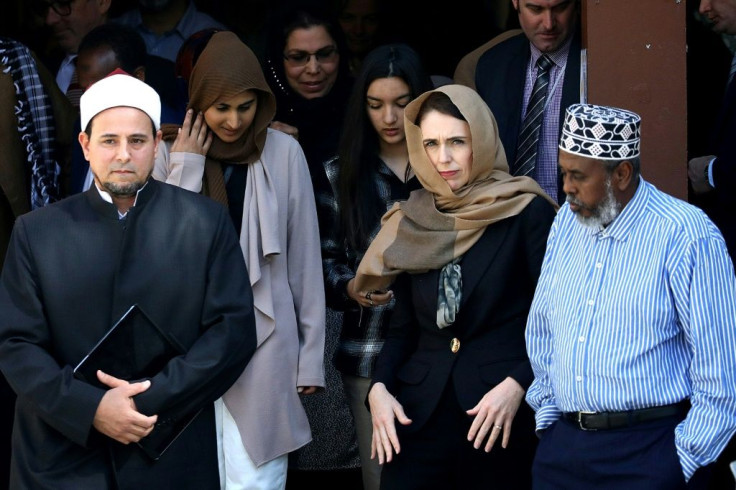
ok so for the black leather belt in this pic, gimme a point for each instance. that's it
(617, 420)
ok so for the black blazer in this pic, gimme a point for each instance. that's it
(499, 275)
(499, 79)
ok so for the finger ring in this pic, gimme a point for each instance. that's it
(371, 301)
(368, 295)
(499, 427)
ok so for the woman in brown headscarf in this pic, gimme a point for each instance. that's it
(465, 253)
(225, 150)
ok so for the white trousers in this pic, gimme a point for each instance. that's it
(237, 470)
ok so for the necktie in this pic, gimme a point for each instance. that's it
(526, 153)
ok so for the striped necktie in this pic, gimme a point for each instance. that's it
(526, 153)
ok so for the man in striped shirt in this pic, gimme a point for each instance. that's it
(632, 330)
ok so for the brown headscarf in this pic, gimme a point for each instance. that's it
(226, 68)
(436, 225)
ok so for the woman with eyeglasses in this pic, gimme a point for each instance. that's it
(308, 72)
(225, 150)
(307, 68)
(370, 174)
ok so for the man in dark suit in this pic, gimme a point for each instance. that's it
(713, 177)
(505, 75)
(75, 266)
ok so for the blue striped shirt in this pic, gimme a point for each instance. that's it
(640, 314)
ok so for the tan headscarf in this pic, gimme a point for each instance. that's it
(226, 68)
(436, 225)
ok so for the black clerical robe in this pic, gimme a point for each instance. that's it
(73, 268)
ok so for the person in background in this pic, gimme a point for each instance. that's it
(505, 76)
(185, 60)
(69, 21)
(371, 173)
(465, 252)
(360, 21)
(713, 177)
(307, 68)
(225, 150)
(632, 330)
(75, 266)
(36, 142)
(164, 25)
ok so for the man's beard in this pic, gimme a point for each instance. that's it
(601, 215)
(128, 189)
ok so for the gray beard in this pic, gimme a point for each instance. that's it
(603, 214)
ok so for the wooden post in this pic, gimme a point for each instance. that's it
(636, 60)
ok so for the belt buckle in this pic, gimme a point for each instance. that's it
(580, 420)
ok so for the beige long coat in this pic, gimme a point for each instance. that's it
(288, 294)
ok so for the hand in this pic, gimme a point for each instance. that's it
(494, 414)
(116, 415)
(696, 174)
(368, 299)
(306, 390)
(384, 407)
(285, 128)
(193, 137)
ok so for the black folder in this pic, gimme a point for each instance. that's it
(135, 348)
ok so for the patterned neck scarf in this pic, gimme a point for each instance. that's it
(35, 121)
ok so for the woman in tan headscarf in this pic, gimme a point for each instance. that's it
(453, 370)
(225, 150)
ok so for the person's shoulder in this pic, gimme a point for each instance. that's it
(180, 197)
(279, 144)
(684, 217)
(505, 45)
(54, 213)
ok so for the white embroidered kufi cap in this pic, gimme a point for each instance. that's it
(119, 90)
(601, 132)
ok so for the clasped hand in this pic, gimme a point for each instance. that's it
(117, 416)
(368, 299)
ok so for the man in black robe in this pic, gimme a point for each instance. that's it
(74, 267)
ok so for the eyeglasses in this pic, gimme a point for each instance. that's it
(328, 54)
(61, 7)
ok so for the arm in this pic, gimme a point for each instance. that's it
(182, 162)
(60, 400)
(495, 412)
(304, 264)
(540, 395)
(337, 272)
(704, 290)
(536, 224)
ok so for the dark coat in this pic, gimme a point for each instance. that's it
(73, 268)
(720, 204)
(499, 79)
(499, 275)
